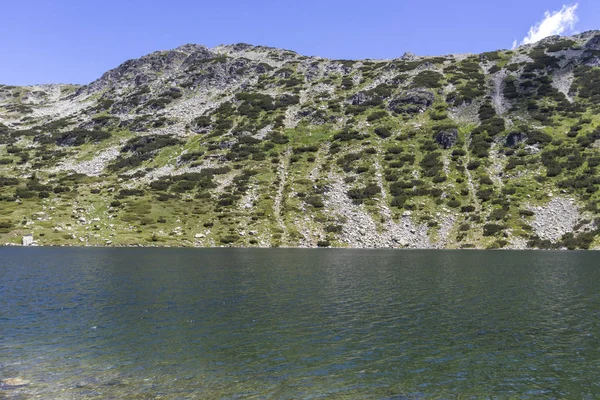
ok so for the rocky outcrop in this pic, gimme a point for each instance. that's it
(514, 138)
(413, 102)
(447, 138)
(593, 43)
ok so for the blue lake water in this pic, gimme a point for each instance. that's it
(288, 324)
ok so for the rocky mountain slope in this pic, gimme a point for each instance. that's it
(253, 146)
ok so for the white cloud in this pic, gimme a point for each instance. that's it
(554, 23)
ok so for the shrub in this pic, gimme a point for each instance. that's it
(492, 229)
(485, 194)
(314, 201)
(129, 192)
(358, 195)
(581, 241)
(428, 79)
(398, 201)
(333, 228)
(228, 239)
(383, 132)
(498, 214)
(377, 115)
(453, 203)
(5, 226)
(23, 193)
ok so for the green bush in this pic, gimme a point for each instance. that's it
(428, 79)
(333, 228)
(453, 203)
(377, 115)
(492, 229)
(314, 201)
(383, 132)
(358, 195)
(498, 214)
(228, 239)
(24, 193)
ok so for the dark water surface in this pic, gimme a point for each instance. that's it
(288, 324)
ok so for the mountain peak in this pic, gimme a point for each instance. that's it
(257, 146)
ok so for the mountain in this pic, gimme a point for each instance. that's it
(255, 146)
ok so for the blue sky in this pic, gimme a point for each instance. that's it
(75, 41)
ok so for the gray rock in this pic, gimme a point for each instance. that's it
(447, 138)
(514, 138)
(27, 240)
(413, 102)
(13, 383)
(593, 43)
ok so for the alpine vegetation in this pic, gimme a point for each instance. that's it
(244, 145)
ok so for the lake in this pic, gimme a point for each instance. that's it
(139, 323)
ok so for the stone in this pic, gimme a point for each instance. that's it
(447, 138)
(14, 382)
(413, 102)
(27, 240)
(515, 138)
(593, 43)
(199, 235)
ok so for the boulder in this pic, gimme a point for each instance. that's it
(447, 138)
(359, 98)
(515, 138)
(412, 102)
(13, 382)
(27, 240)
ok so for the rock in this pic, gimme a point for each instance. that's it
(199, 235)
(447, 138)
(556, 218)
(413, 102)
(408, 56)
(515, 138)
(13, 382)
(593, 43)
(27, 240)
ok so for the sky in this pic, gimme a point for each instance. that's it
(75, 41)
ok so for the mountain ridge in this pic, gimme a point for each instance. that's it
(256, 146)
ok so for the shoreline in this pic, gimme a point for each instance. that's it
(287, 248)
